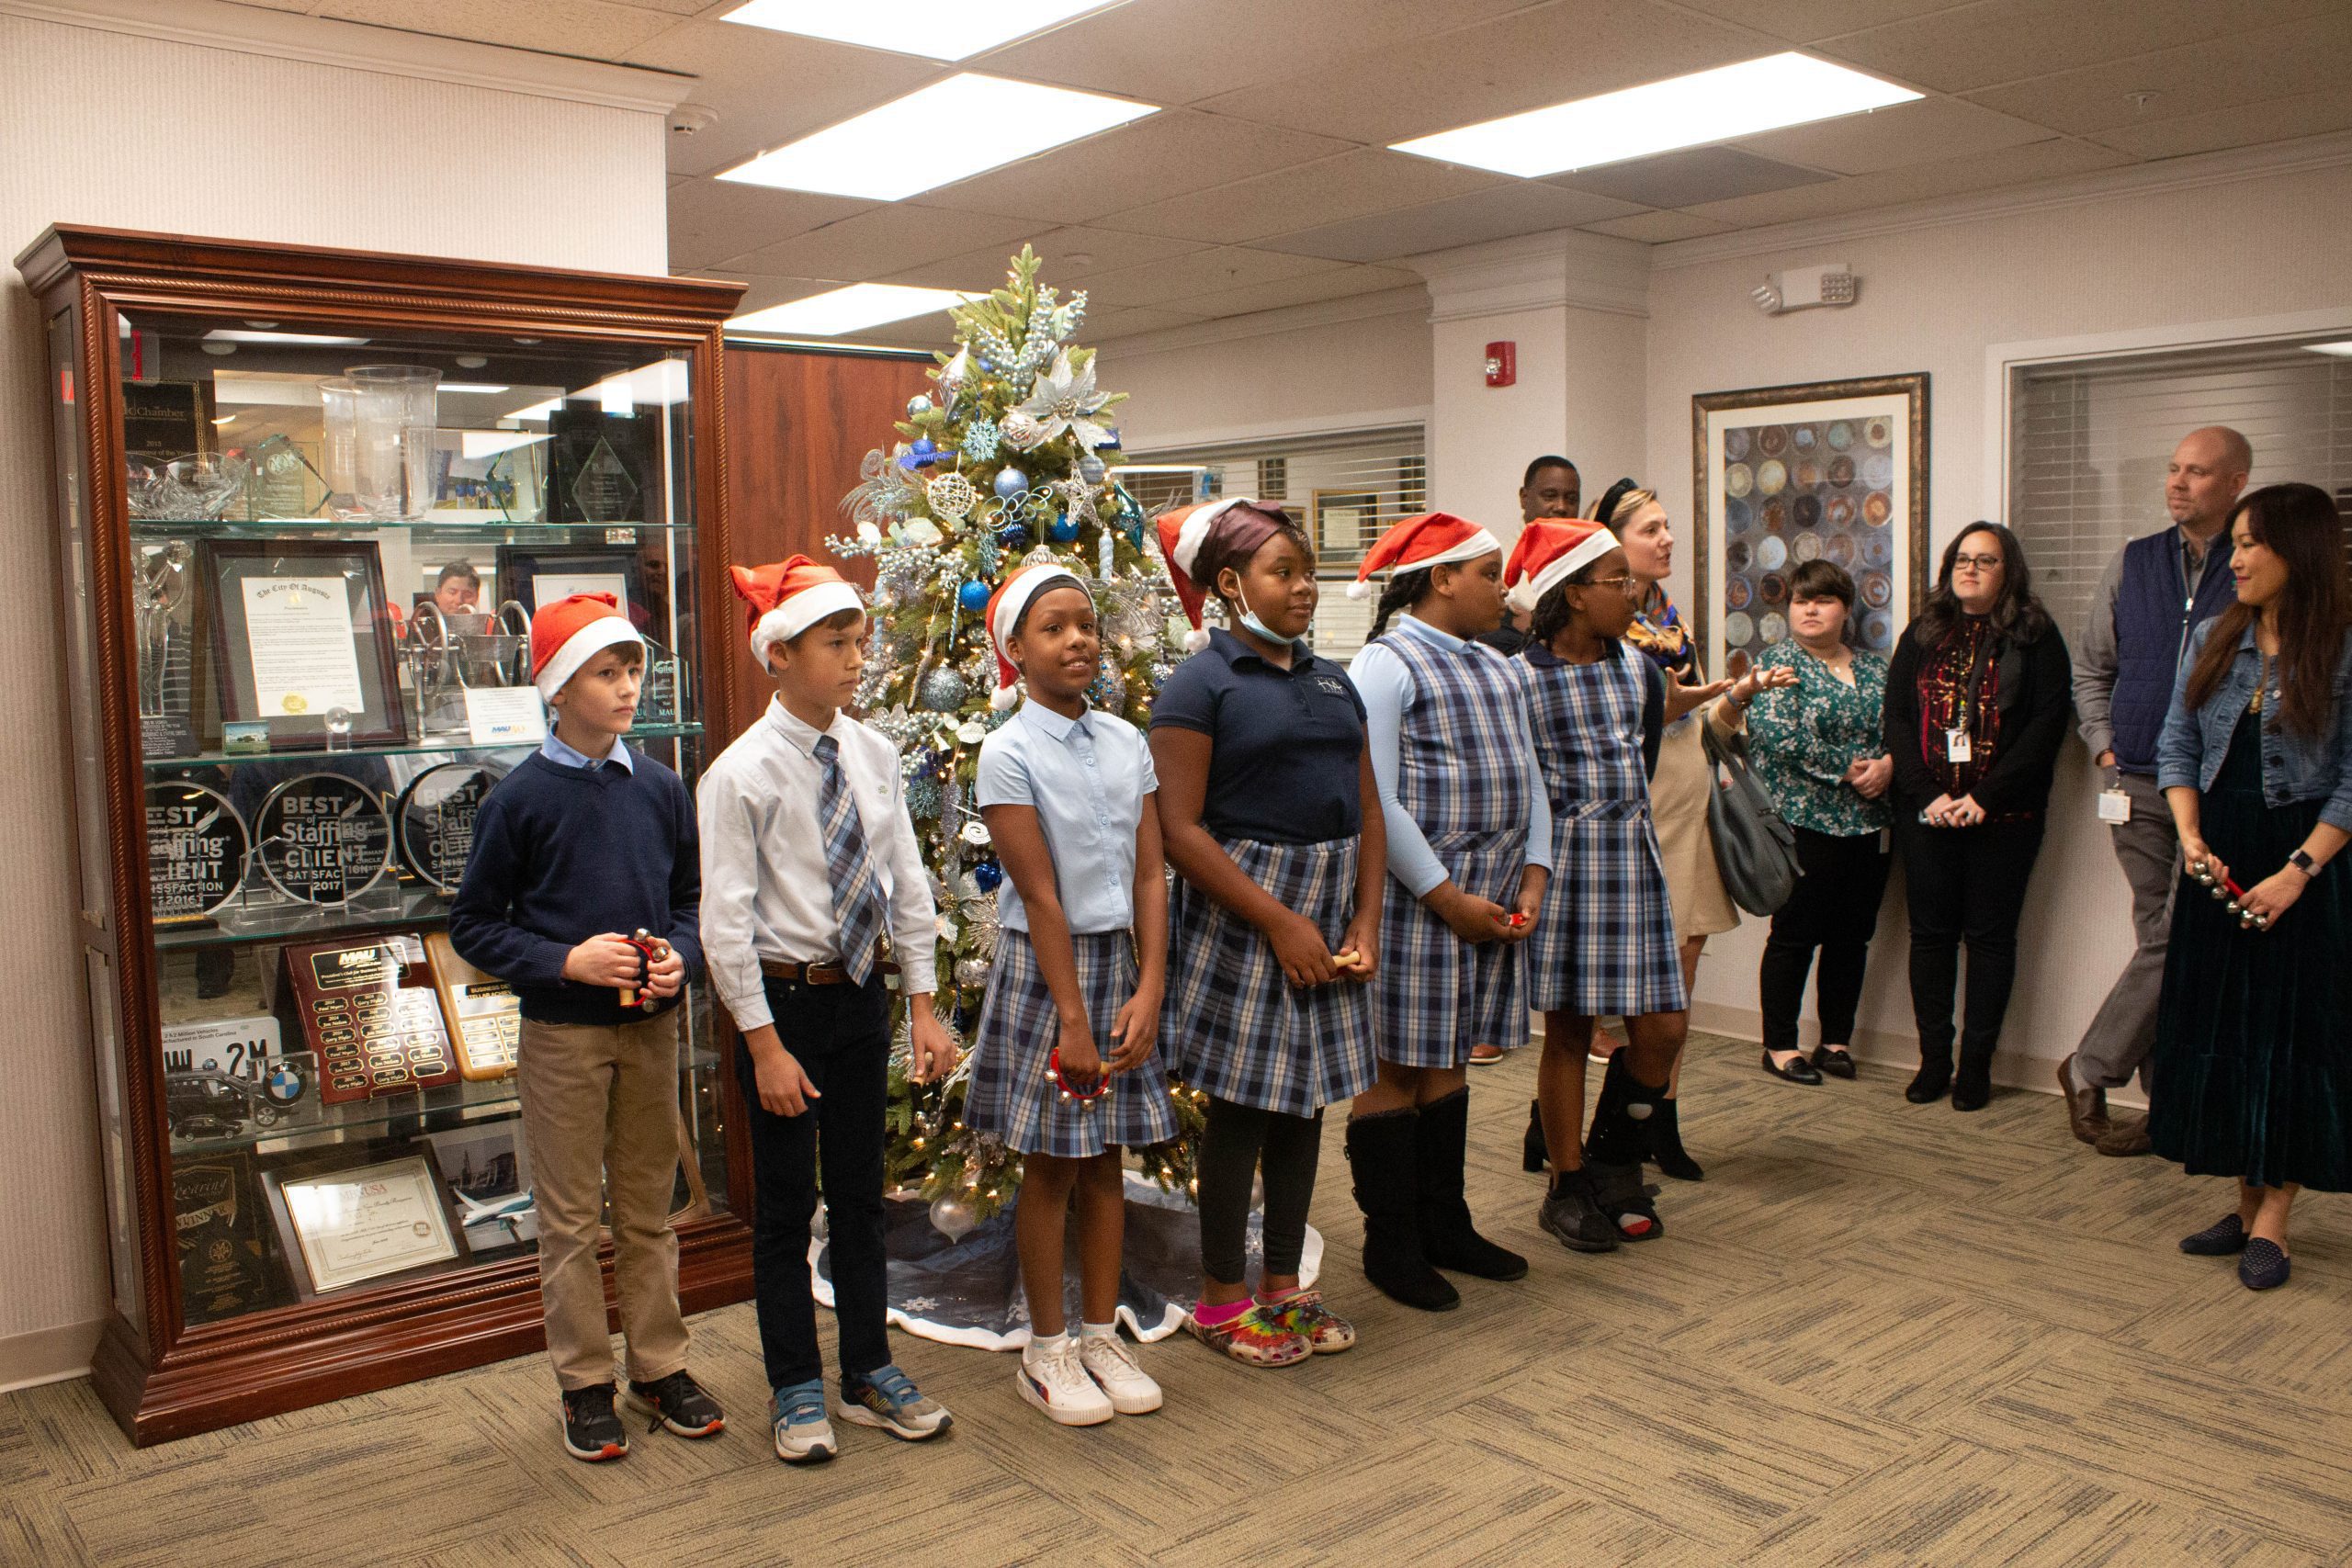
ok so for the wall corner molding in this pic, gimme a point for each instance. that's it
(356, 46)
(1568, 268)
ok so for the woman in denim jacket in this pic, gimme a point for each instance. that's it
(2252, 1075)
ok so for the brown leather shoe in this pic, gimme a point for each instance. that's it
(2128, 1137)
(2085, 1107)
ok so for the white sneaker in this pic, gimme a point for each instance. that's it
(1110, 1364)
(1055, 1383)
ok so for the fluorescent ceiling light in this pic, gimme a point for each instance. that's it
(939, 30)
(239, 334)
(2341, 350)
(472, 386)
(537, 411)
(490, 443)
(847, 310)
(1683, 111)
(948, 131)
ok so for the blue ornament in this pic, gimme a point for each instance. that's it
(918, 406)
(1009, 482)
(987, 875)
(1015, 537)
(1061, 531)
(973, 596)
(1091, 469)
(925, 799)
(1109, 690)
(1110, 443)
(923, 451)
(980, 441)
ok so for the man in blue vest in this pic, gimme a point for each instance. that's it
(2150, 598)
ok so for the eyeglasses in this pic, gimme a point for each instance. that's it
(1622, 584)
(1980, 563)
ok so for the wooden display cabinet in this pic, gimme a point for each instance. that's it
(246, 436)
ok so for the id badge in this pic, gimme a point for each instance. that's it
(2114, 805)
(1956, 746)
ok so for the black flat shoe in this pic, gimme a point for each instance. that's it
(1933, 1079)
(2264, 1267)
(1972, 1087)
(1833, 1060)
(2222, 1238)
(1799, 1070)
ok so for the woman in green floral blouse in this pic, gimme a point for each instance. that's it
(1819, 747)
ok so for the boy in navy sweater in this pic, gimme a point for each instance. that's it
(583, 842)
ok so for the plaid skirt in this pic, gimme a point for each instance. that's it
(1010, 1095)
(1235, 1026)
(1604, 945)
(1437, 995)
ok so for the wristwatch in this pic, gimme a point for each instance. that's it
(2302, 861)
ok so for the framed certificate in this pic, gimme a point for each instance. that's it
(533, 577)
(299, 631)
(363, 1224)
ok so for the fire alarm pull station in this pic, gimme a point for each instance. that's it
(1502, 364)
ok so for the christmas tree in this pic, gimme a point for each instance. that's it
(1011, 458)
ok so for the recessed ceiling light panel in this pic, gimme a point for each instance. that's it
(2342, 350)
(847, 310)
(948, 131)
(938, 29)
(1659, 116)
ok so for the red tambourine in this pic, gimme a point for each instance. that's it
(651, 948)
(2227, 893)
(1084, 1097)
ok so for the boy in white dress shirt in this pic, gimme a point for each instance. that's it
(809, 857)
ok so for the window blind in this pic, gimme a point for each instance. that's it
(2089, 440)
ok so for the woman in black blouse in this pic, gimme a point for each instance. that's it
(1978, 700)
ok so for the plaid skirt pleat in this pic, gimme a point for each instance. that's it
(1010, 1095)
(1436, 995)
(1234, 1025)
(1604, 943)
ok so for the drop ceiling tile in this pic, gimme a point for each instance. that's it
(1919, 182)
(2279, 62)
(1659, 228)
(675, 7)
(712, 220)
(1178, 52)
(1106, 250)
(1521, 207)
(592, 29)
(1116, 324)
(1918, 133)
(1202, 272)
(1690, 178)
(763, 289)
(2279, 119)
(2009, 40)
(1165, 155)
(1354, 184)
(882, 240)
(1546, 54)
(1804, 21)
(1337, 284)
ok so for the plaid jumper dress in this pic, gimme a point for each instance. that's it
(1604, 945)
(1462, 775)
(1011, 1094)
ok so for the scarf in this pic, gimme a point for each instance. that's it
(1658, 631)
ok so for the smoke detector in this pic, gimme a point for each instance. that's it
(688, 118)
(1803, 287)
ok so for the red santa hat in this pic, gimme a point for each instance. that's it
(787, 598)
(1182, 534)
(1433, 538)
(566, 634)
(1005, 606)
(1548, 554)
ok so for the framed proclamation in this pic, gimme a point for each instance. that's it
(360, 1225)
(299, 632)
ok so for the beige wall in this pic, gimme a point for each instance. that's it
(103, 126)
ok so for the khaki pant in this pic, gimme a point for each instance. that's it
(599, 1111)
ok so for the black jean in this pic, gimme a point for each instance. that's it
(1835, 908)
(1236, 1139)
(841, 1036)
(1964, 884)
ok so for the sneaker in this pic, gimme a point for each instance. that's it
(802, 1434)
(1255, 1336)
(1303, 1314)
(1055, 1383)
(1112, 1366)
(592, 1431)
(888, 1398)
(678, 1403)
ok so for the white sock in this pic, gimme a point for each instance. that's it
(1098, 1331)
(1044, 1344)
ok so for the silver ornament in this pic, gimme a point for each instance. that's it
(971, 974)
(917, 406)
(952, 1217)
(943, 690)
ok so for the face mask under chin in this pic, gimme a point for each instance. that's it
(1256, 628)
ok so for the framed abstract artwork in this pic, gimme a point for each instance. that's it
(1832, 470)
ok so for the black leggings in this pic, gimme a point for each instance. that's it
(1236, 1139)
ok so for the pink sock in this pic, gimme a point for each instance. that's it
(1217, 1314)
(1278, 1297)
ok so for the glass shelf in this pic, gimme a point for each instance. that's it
(417, 905)
(638, 737)
(483, 524)
(440, 1107)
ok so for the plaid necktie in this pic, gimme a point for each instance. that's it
(857, 891)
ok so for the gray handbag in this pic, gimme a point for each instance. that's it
(1755, 850)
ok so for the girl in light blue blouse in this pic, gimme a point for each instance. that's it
(1065, 1067)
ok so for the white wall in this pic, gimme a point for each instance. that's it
(105, 125)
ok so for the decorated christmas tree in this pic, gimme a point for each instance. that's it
(1012, 458)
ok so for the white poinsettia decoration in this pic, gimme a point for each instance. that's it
(1065, 399)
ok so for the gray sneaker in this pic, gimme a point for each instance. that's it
(888, 1398)
(802, 1434)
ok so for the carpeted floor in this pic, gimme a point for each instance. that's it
(1877, 1332)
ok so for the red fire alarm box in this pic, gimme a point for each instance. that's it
(1502, 364)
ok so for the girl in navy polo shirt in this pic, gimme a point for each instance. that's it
(1470, 842)
(1063, 1066)
(1271, 819)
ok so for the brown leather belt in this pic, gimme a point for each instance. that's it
(816, 974)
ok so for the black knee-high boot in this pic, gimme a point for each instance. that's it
(1449, 1239)
(1614, 1147)
(1382, 1156)
(1666, 1152)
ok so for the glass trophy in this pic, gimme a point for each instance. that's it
(161, 591)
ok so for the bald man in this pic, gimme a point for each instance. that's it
(2150, 598)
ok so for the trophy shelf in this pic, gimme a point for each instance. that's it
(306, 500)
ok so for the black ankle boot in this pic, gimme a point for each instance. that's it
(1381, 1156)
(1934, 1077)
(1534, 1152)
(1449, 1240)
(1972, 1084)
(1666, 1152)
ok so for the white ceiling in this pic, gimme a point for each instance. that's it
(1268, 182)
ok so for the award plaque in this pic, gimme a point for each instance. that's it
(324, 838)
(196, 850)
(298, 629)
(434, 821)
(222, 1272)
(483, 1013)
(598, 464)
(369, 1010)
(369, 1222)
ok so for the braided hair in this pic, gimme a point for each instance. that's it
(1405, 589)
